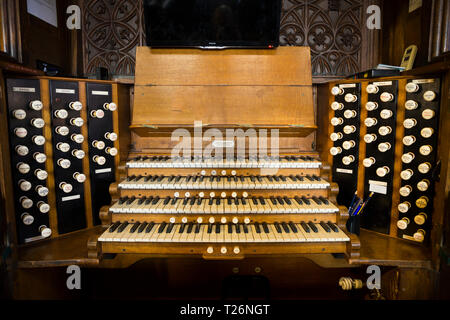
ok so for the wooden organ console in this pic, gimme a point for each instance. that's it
(224, 156)
(224, 207)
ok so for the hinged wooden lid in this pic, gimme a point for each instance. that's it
(229, 88)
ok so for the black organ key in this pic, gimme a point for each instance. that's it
(273, 200)
(317, 200)
(280, 200)
(160, 178)
(252, 178)
(199, 201)
(306, 201)
(150, 227)
(257, 227)
(190, 228)
(333, 227)
(202, 178)
(142, 200)
(325, 227)
(114, 227)
(170, 228)
(135, 227)
(167, 200)
(276, 178)
(242, 178)
(287, 200)
(262, 201)
(211, 201)
(142, 227)
(230, 228)
(313, 227)
(195, 179)
(260, 179)
(309, 178)
(285, 227)
(305, 227)
(283, 178)
(300, 178)
(188, 178)
(130, 201)
(171, 178)
(245, 228)
(156, 200)
(299, 201)
(122, 227)
(210, 228)
(244, 202)
(217, 228)
(129, 179)
(162, 227)
(230, 201)
(197, 228)
(324, 200)
(148, 178)
(186, 201)
(192, 201)
(270, 178)
(148, 201)
(236, 201)
(174, 201)
(277, 227)
(255, 201)
(182, 228)
(178, 179)
(265, 227)
(218, 201)
(123, 200)
(238, 229)
(293, 227)
(293, 178)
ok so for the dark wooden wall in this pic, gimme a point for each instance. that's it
(335, 30)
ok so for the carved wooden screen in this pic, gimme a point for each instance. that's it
(334, 29)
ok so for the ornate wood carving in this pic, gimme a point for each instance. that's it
(334, 29)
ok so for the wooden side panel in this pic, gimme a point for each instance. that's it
(222, 105)
(283, 66)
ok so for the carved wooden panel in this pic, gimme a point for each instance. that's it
(331, 28)
(112, 31)
(334, 29)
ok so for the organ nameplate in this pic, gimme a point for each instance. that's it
(223, 144)
(22, 89)
(65, 91)
(378, 187)
(34, 239)
(344, 171)
(347, 85)
(421, 81)
(381, 84)
(103, 171)
(100, 93)
(71, 198)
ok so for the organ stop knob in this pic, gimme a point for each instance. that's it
(45, 231)
(403, 223)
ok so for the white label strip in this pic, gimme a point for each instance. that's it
(100, 93)
(378, 187)
(65, 91)
(71, 198)
(103, 171)
(223, 144)
(420, 81)
(347, 85)
(34, 239)
(22, 89)
(381, 84)
(344, 171)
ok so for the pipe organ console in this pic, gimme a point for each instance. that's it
(395, 151)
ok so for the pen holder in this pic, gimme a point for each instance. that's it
(353, 224)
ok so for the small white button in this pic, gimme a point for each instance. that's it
(27, 219)
(79, 177)
(371, 106)
(21, 132)
(41, 174)
(112, 151)
(412, 87)
(212, 220)
(77, 122)
(349, 98)
(426, 150)
(369, 162)
(26, 202)
(369, 138)
(337, 91)
(347, 145)
(428, 114)
(419, 236)
(64, 163)
(386, 97)
(424, 168)
(200, 220)
(99, 160)
(19, 114)
(247, 220)
(23, 168)
(43, 207)
(236, 250)
(370, 122)
(111, 136)
(22, 151)
(61, 114)
(210, 250)
(235, 220)
(405, 191)
(403, 224)
(384, 147)
(63, 131)
(76, 106)
(45, 232)
(99, 114)
(427, 132)
(348, 160)
(420, 219)
(409, 140)
(386, 114)
(245, 194)
(77, 138)
(79, 154)
(66, 187)
(382, 172)
(184, 220)
(336, 106)
(42, 191)
(25, 185)
(384, 131)
(173, 220)
(40, 157)
(39, 140)
(63, 147)
(404, 207)
(409, 123)
(349, 129)
(411, 105)
(212, 195)
(36, 105)
(335, 151)
(423, 185)
(408, 157)
(223, 250)
(100, 145)
(429, 96)
(38, 123)
(336, 122)
(223, 220)
(336, 136)
(372, 89)
(187, 195)
(406, 174)
(110, 106)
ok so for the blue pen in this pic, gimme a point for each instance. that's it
(358, 206)
(353, 202)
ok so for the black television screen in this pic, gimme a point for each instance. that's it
(212, 23)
